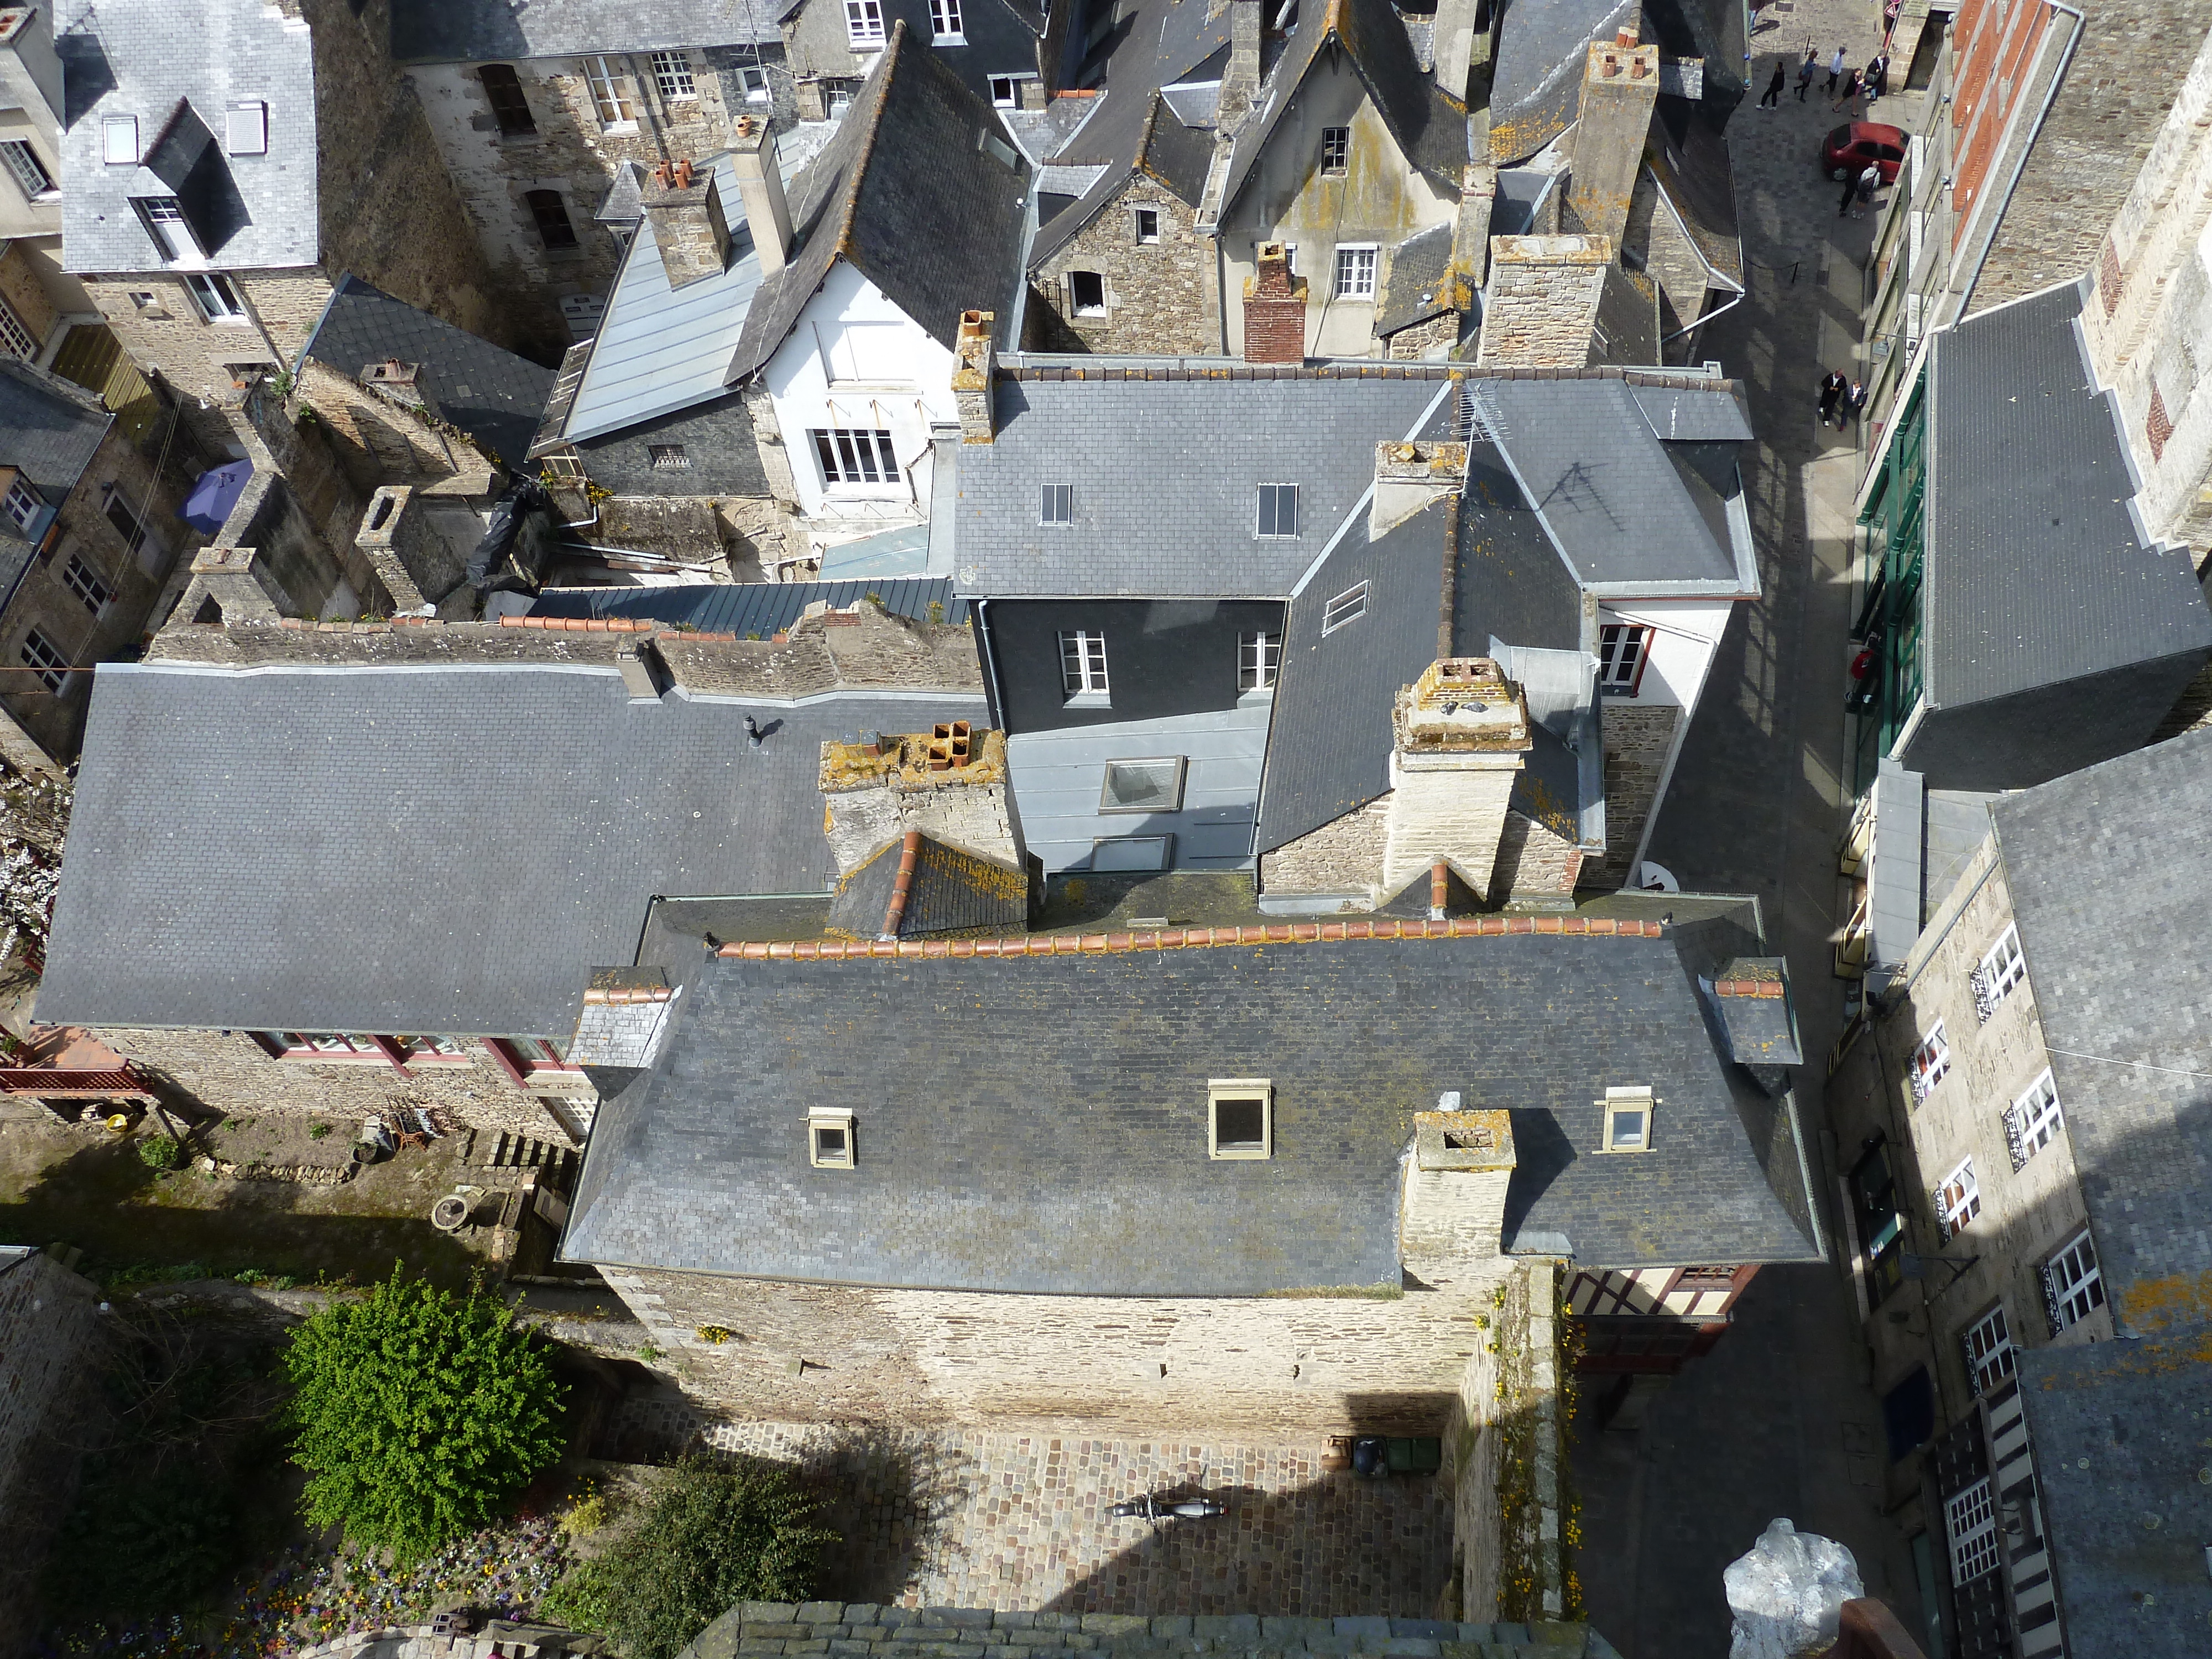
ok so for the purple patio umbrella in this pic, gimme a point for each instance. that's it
(215, 495)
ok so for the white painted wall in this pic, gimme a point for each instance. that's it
(1689, 633)
(856, 360)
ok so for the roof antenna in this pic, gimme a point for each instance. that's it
(753, 732)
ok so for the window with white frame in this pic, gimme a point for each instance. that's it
(1347, 608)
(77, 576)
(1278, 511)
(944, 22)
(1087, 293)
(1003, 91)
(1335, 151)
(1971, 1521)
(2034, 1119)
(1958, 1201)
(1143, 786)
(15, 340)
(165, 222)
(610, 93)
(1628, 1120)
(2001, 970)
(1355, 273)
(29, 171)
(864, 23)
(1083, 663)
(216, 296)
(1987, 1343)
(1148, 224)
(21, 504)
(1622, 648)
(323, 1045)
(671, 75)
(840, 102)
(1929, 1062)
(1056, 505)
(1240, 1117)
(1259, 659)
(42, 654)
(855, 455)
(119, 141)
(752, 81)
(2072, 1283)
(829, 1139)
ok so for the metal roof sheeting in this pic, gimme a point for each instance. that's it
(749, 607)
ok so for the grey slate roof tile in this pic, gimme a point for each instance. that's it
(2036, 574)
(750, 609)
(133, 57)
(50, 429)
(1415, 291)
(475, 31)
(1536, 89)
(481, 837)
(1075, 1159)
(489, 392)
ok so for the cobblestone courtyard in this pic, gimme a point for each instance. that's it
(981, 1519)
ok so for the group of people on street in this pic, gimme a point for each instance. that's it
(1871, 83)
(1841, 400)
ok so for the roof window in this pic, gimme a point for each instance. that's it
(829, 1139)
(246, 130)
(1279, 510)
(1345, 609)
(1240, 1118)
(1628, 1120)
(119, 141)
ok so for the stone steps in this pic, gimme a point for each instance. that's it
(514, 1152)
(766, 1630)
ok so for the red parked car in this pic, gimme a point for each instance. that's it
(1846, 152)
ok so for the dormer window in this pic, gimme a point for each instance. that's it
(1628, 1120)
(21, 506)
(829, 1139)
(119, 141)
(1240, 1118)
(165, 221)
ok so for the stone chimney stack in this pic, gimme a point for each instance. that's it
(1454, 1216)
(1274, 309)
(1620, 86)
(975, 361)
(759, 187)
(1477, 195)
(684, 209)
(949, 782)
(1461, 732)
(1455, 44)
(1240, 78)
(1540, 303)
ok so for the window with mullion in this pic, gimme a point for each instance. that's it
(2074, 1283)
(1278, 511)
(78, 578)
(864, 23)
(671, 75)
(30, 173)
(855, 455)
(611, 94)
(1259, 657)
(1958, 1201)
(1083, 664)
(1355, 273)
(2037, 1117)
(1988, 1344)
(945, 20)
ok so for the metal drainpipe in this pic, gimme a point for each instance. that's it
(2020, 167)
(645, 104)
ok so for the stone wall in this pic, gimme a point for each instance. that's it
(1535, 864)
(229, 1073)
(1445, 807)
(1345, 855)
(25, 293)
(160, 327)
(380, 440)
(1434, 339)
(1380, 1361)
(1637, 738)
(1542, 300)
(1161, 296)
(48, 1317)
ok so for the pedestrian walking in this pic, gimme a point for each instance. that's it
(1850, 194)
(1848, 405)
(1772, 96)
(1833, 389)
(1806, 71)
(1868, 182)
(1877, 76)
(1851, 91)
(1835, 70)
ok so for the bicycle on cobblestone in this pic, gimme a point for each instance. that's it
(1149, 1508)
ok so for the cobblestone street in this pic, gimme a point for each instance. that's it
(982, 1519)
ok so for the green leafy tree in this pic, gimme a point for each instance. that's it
(418, 1415)
(714, 1534)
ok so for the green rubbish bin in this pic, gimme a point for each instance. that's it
(1422, 1455)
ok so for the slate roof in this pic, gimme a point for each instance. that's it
(910, 190)
(701, 1165)
(483, 834)
(1329, 742)
(1173, 154)
(489, 392)
(2102, 864)
(949, 890)
(50, 429)
(1430, 127)
(1414, 291)
(476, 31)
(1690, 162)
(2118, 1430)
(131, 57)
(747, 608)
(1536, 89)
(1203, 444)
(2036, 570)
(1623, 511)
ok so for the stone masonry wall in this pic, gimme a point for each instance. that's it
(47, 1316)
(1343, 856)
(1160, 296)
(1256, 1367)
(1435, 813)
(231, 1073)
(1637, 738)
(1542, 300)
(1535, 863)
(1434, 339)
(161, 328)
(25, 294)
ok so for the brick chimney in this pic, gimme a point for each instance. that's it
(759, 187)
(1620, 85)
(684, 208)
(1240, 77)
(975, 360)
(949, 783)
(1454, 1213)
(1274, 309)
(1540, 302)
(1461, 732)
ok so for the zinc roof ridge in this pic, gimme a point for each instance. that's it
(1172, 939)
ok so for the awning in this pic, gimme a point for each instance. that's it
(214, 496)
